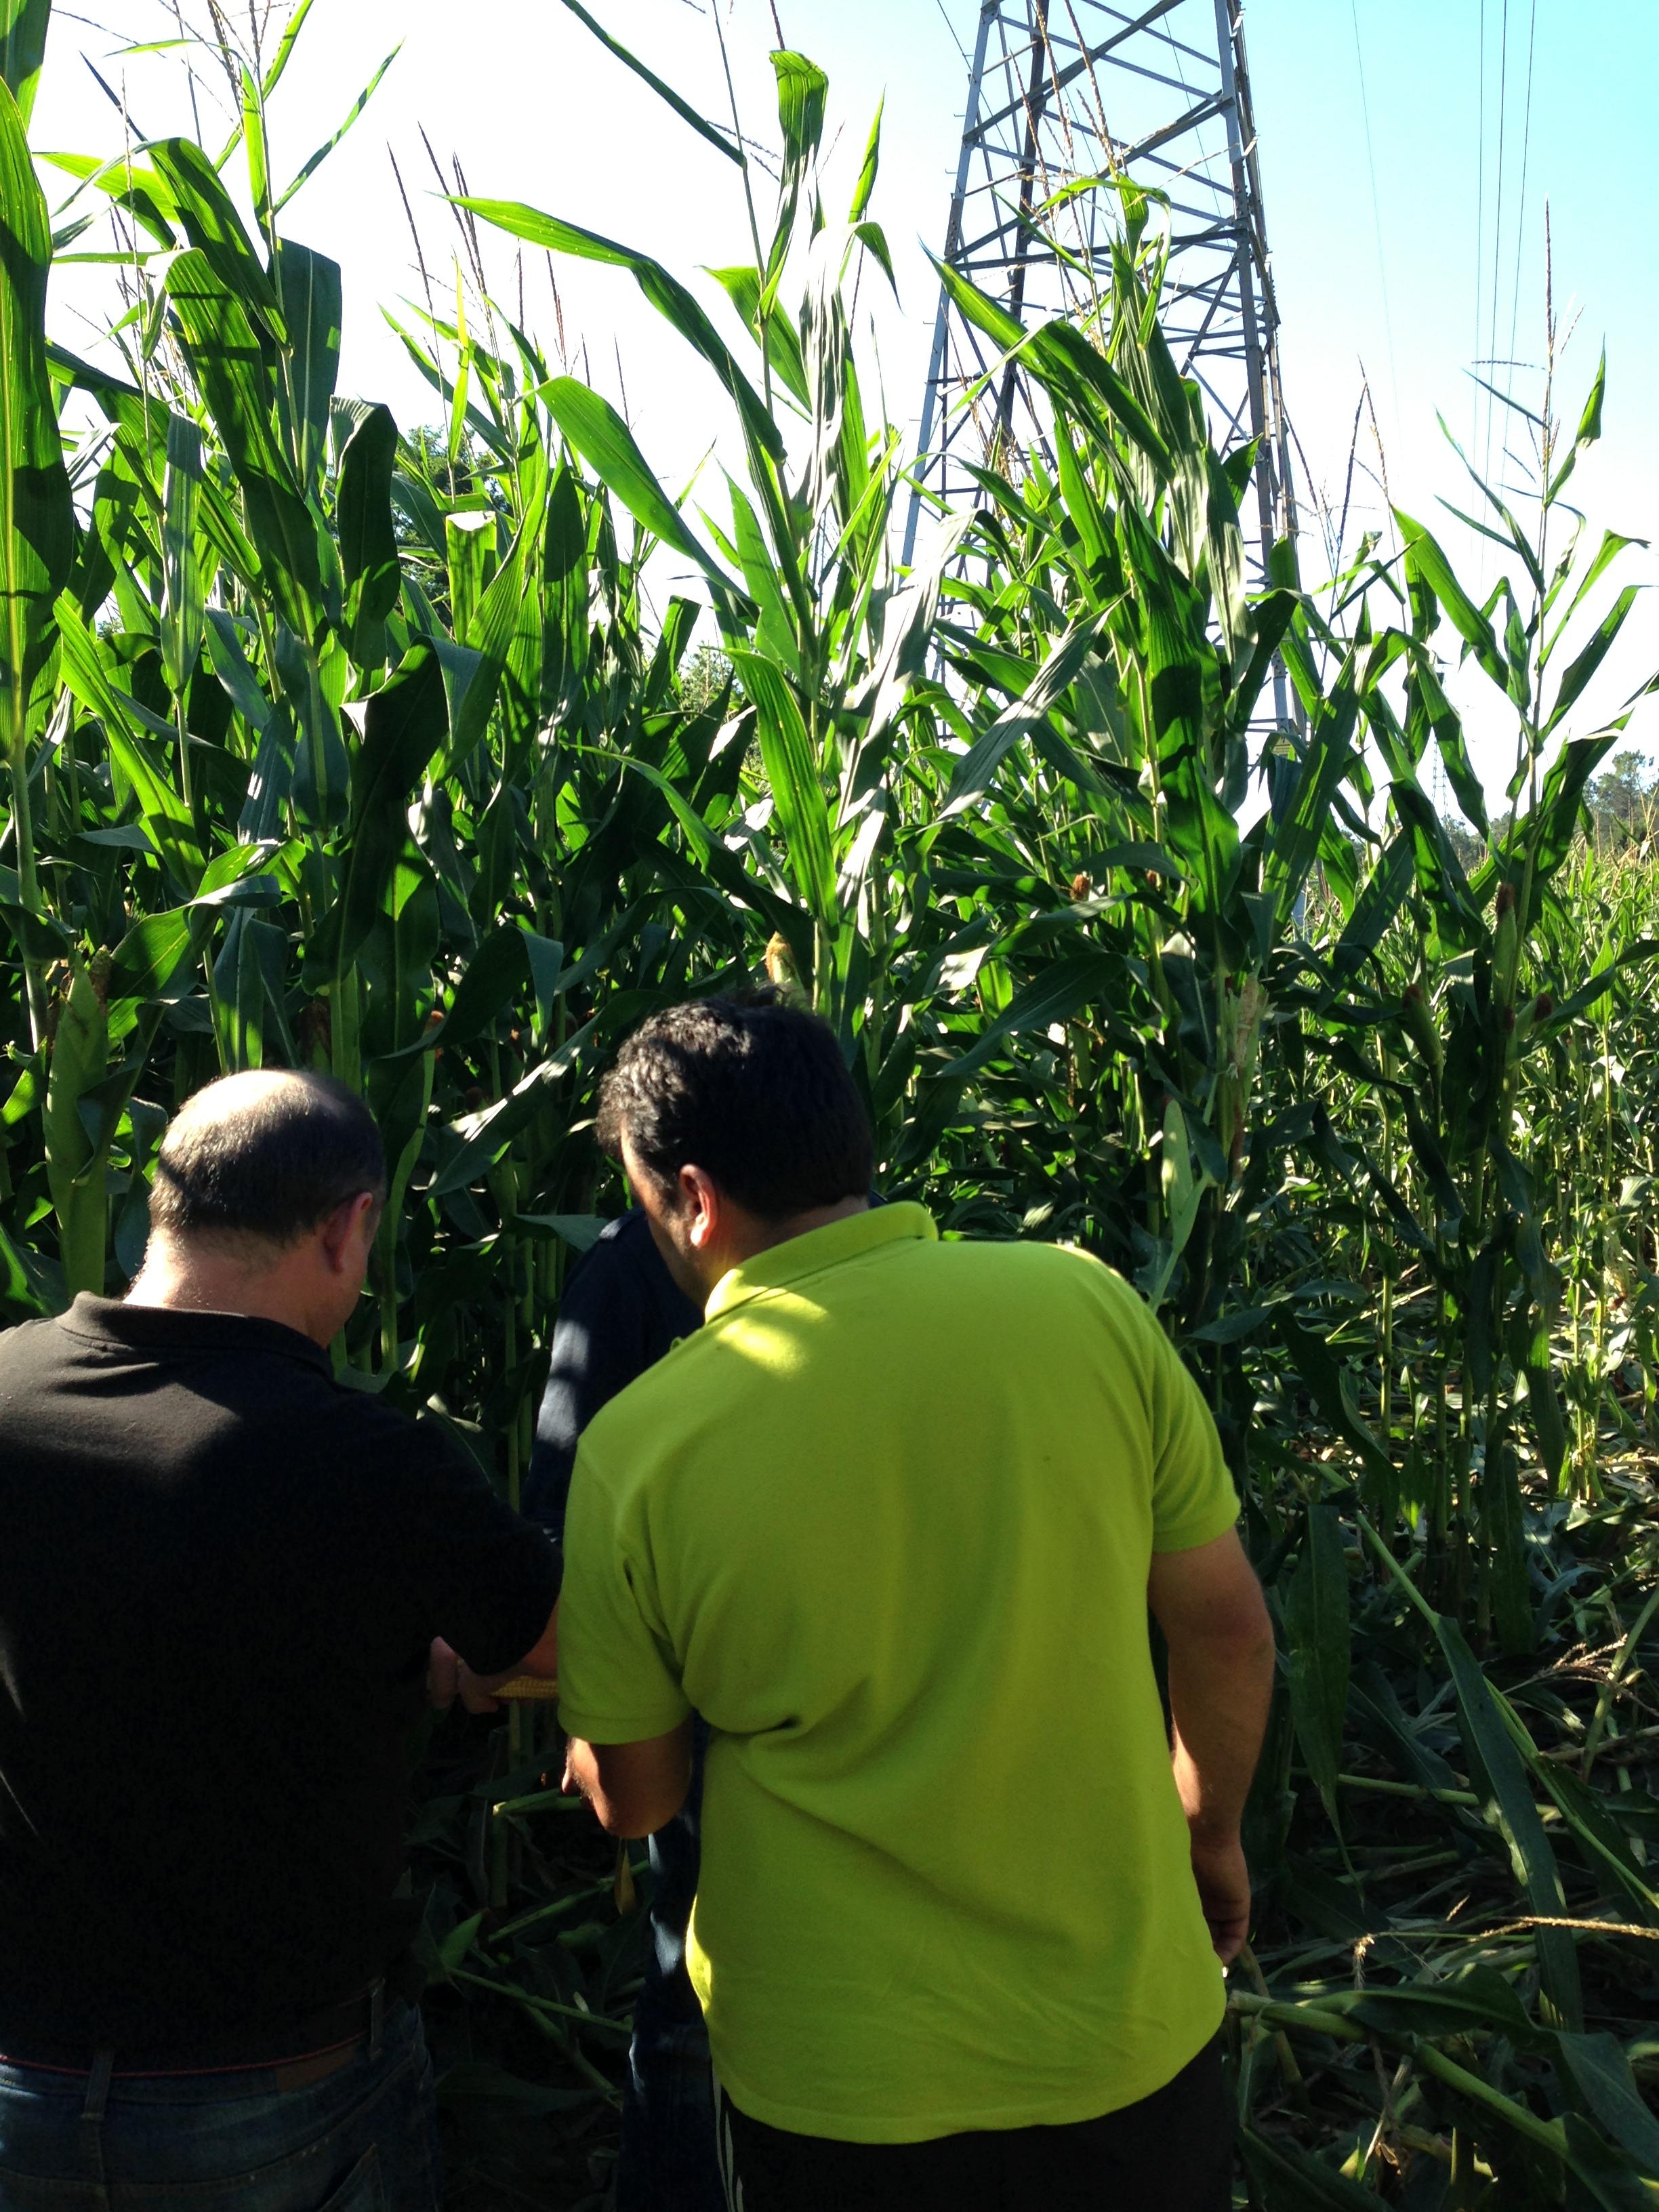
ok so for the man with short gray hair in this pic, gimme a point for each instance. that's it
(223, 1581)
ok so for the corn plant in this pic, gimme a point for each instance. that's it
(331, 742)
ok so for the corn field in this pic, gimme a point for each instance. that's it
(336, 742)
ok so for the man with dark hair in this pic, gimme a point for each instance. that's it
(891, 1520)
(620, 1311)
(225, 1582)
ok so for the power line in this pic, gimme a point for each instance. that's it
(1481, 220)
(1497, 234)
(1521, 220)
(1377, 211)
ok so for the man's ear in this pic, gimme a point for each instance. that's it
(701, 1200)
(339, 1231)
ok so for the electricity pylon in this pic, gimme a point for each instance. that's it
(1060, 92)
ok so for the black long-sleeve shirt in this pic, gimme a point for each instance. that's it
(620, 1311)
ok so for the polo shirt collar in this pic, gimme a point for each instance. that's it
(797, 1257)
(174, 1329)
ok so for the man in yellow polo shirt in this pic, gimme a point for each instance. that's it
(891, 1522)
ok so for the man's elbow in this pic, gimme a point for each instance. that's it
(635, 1789)
(634, 1814)
(1244, 1631)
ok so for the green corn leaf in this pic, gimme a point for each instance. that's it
(258, 151)
(598, 433)
(371, 571)
(497, 971)
(309, 286)
(1062, 358)
(1590, 428)
(1583, 666)
(863, 191)
(1603, 1845)
(1056, 994)
(802, 88)
(665, 293)
(233, 669)
(976, 771)
(1440, 875)
(1447, 727)
(742, 286)
(315, 162)
(75, 1165)
(167, 820)
(1379, 901)
(1331, 1386)
(148, 957)
(477, 1140)
(23, 25)
(239, 384)
(1490, 1736)
(1293, 2180)
(406, 725)
(215, 230)
(797, 789)
(144, 193)
(1293, 840)
(37, 537)
(184, 595)
(1426, 564)
(1551, 831)
(1612, 545)
(714, 132)
(469, 543)
(980, 309)
(1317, 1624)
(1478, 1999)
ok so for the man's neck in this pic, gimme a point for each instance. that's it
(208, 1282)
(755, 1235)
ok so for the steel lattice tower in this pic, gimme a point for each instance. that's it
(1063, 90)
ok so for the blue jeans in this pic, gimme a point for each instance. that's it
(363, 2139)
(670, 2162)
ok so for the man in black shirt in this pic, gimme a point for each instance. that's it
(222, 1576)
(619, 1312)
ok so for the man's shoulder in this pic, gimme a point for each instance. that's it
(365, 1424)
(621, 1263)
(654, 1409)
(28, 1345)
(1066, 1271)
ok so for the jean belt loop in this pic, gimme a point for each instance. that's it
(376, 2018)
(92, 2122)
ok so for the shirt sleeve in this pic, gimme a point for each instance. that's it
(618, 1679)
(1194, 1500)
(486, 1580)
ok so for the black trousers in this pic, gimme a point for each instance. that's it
(1172, 2151)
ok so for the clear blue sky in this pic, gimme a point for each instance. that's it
(535, 110)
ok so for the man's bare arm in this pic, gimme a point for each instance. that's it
(634, 1788)
(1210, 1607)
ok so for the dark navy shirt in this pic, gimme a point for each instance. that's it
(620, 1311)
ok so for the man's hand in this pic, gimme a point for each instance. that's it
(1223, 1891)
(449, 1677)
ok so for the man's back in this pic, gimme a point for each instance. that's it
(220, 1578)
(890, 1519)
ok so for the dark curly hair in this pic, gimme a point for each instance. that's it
(755, 1094)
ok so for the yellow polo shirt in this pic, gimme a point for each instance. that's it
(886, 1521)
